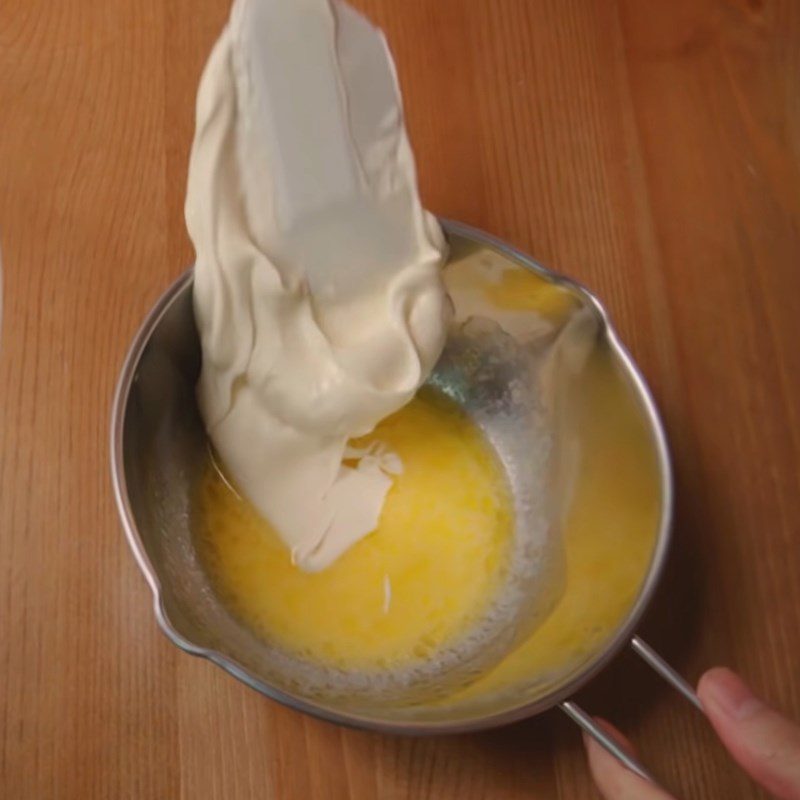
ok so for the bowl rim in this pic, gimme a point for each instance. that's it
(581, 676)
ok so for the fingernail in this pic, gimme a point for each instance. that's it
(730, 694)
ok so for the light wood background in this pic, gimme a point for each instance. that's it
(650, 149)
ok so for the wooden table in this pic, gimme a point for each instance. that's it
(651, 150)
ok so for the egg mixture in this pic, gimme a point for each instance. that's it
(421, 582)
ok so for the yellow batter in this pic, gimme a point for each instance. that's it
(422, 580)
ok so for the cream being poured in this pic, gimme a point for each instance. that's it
(317, 289)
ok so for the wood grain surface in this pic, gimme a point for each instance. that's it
(650, 149)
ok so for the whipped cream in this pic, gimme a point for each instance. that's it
(317, 289)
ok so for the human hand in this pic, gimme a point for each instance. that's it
(764, 743)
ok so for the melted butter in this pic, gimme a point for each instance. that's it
(420, 582)
(451, 505)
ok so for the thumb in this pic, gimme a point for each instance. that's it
(764, 743)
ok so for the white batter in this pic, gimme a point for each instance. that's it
(317, 289)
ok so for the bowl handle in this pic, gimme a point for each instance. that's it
(578, 715)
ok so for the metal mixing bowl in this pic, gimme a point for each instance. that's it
(158, 451)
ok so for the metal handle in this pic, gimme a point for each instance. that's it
(578, 715)
(644, 651)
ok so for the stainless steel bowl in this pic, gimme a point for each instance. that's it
(158, 451)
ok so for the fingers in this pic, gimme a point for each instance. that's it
(764, 743)
(615, 781)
